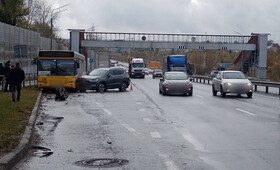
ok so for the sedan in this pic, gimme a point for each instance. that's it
(103, 79)
(157, 73)
(175, 83)
(232, 82)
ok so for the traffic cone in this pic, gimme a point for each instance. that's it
(131, 88)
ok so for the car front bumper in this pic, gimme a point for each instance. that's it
(238, 88)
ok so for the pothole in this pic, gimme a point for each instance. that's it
(103, 162)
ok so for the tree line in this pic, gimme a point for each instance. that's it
(34, 15)
(204, 61)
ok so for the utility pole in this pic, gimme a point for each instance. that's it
(52, 16)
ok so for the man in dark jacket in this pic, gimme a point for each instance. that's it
(1, 71)
(17, 76)
(7, 71)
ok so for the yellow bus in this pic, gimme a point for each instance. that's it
(59, 68)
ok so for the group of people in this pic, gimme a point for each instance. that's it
(14, 76)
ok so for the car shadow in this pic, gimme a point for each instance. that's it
(233, 96)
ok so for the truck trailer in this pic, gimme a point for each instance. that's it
(177, 63)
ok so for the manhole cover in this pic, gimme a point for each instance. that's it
(103, 162)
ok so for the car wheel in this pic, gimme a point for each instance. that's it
(82, 91)
(250, 94)
(123, 87)
(190, 94)
(160, 92)
(222, 92)
(214, 91)
(101, 88)
(153, 77)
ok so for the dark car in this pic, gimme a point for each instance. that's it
(157, 73)
(175, 83)
(103, 79)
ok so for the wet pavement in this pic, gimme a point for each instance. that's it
(142, 129)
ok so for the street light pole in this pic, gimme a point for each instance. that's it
(52, 15)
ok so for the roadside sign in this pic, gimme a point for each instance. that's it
(226, 65)
(90, 60)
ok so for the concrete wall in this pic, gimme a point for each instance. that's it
(21, 45)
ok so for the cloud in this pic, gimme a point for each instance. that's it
(172, 16)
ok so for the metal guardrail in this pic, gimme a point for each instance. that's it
(30, 80)
(256, 83)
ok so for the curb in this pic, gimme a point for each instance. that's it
(12, 158)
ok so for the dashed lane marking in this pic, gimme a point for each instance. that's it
(142, 110)
(108, 112)
(190, 138)
(155, 135)
(130, 129)
(147, 119)
(244, 111)
(170, 165)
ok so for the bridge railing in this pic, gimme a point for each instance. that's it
(156, 37)
(256, 83)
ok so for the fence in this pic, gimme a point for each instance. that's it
(22, 46)
(30, 80)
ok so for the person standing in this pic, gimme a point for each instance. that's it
(1, 71)
(7, 71)
(17, 76)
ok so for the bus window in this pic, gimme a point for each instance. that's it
(46, 67)
(65, 68)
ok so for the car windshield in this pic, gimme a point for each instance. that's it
(158, 70)
(138, 65)
(176, 76)
(98, 72)
(233, 75)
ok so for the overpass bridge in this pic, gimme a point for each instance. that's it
(253, 47)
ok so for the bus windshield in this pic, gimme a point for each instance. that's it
(56, 67)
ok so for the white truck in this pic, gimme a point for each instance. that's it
(137, 68)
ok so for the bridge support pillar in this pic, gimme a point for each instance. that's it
(262, 56)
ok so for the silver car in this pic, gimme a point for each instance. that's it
(175, 83)
(232, 82)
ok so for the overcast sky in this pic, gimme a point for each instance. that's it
(172, 16)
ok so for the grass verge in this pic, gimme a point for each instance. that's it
(14, 117)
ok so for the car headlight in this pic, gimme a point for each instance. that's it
(165, 83)
(249, 84)
(229, 84)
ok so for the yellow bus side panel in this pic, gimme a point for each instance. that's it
(56, 81)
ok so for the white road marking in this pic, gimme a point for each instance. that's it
(170, 165)
(108, 112)
(244, 111)
(147, 119)
(133, 131)
(139, 103)
(199, 96)
(190, 138)
(155, 134)
(142, 110)
(98, 104)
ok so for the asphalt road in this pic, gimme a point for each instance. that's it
(152, 131)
